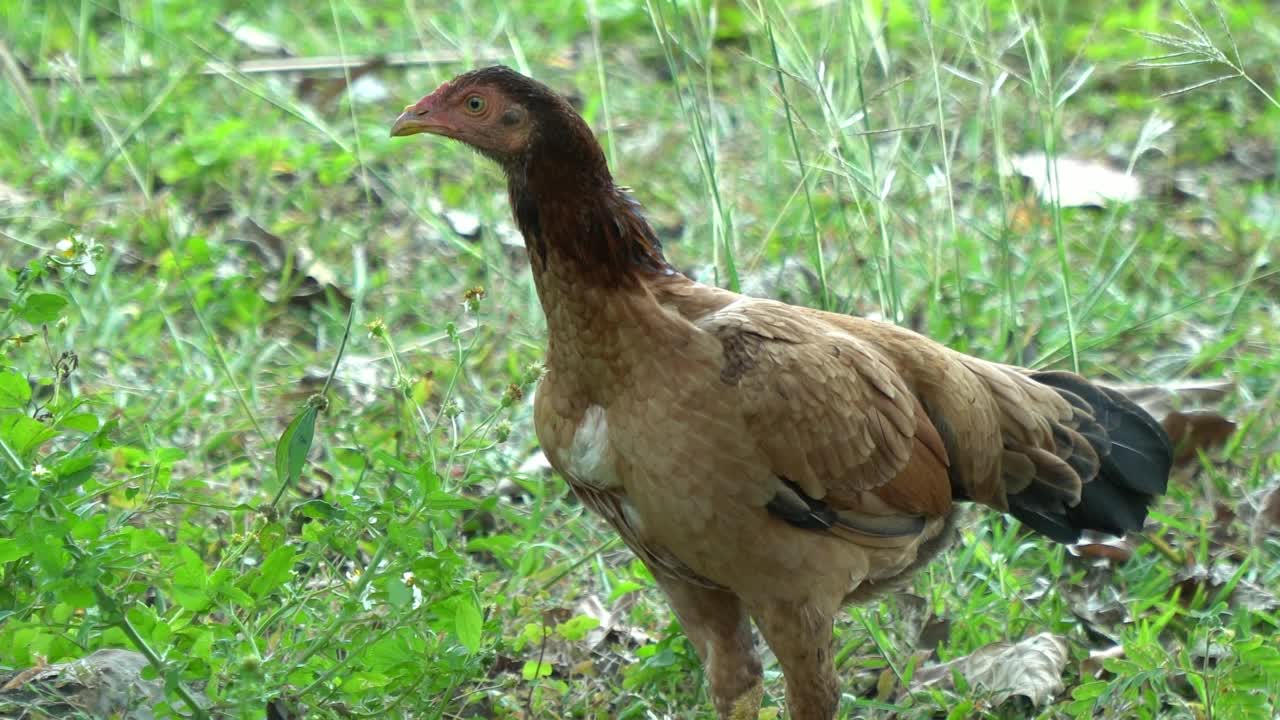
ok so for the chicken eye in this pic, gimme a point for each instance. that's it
(475, 104)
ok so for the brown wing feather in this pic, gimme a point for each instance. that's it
(832, 415)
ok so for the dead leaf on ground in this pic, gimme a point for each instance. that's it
(1092, 666)
(255, 40)
(1025, 216)
(107, 683)
(1254, 156)
(570, 647)
(1082, 183)
(1041, 588)
(361, 81)
(1031, 668)
(1102, 550)
(1100, 611)
(1208, 656)
(535, 465)
(790, 281)
(611, 622)
(1161, 399)
(924, 629)
(463, 223)
(317, 278)
(1268, 518)
(933, 633)
(1209, 582)
(10, 195)
(1196, 431)
(364, 378)
(1264, 210)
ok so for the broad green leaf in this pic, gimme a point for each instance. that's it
(391, 461)
(89, 528)
(276, 569)
(398, 594)
(577, 627)
(11, 550)
(24, 499)
(428, 480)
(203, 646)
(23, 434)
(533, 669)
(42, 308)
(319, 510)
(441, 500)
(295, 442)
(161, 633)
(363, 681)
(73, 464)
(50, 555)
(62, 612)
(190, 581)
(15, 392)
(271, 536)
(237, 596)
(468, 622)
(80, 596)
(84, 422)
(394, 651)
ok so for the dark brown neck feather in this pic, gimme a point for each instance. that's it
(571, 213)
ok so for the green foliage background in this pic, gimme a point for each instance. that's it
(192, 464)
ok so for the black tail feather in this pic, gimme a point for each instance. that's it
(1134, 455)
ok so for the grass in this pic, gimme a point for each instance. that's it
(157, 413)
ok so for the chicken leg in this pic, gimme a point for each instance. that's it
(717, 624)
(801, 639)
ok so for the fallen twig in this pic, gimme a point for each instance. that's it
(317, 64)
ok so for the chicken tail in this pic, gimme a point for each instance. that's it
(1119, 456)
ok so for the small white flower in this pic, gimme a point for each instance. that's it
(77, 252)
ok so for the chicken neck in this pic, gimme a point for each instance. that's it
(593, 257)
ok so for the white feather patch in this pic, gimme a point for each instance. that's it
(589, 460)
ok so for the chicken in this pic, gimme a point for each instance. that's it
(768, 462)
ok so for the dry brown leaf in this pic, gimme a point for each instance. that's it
(1031, 668)
(1025, 216)
(362, 377)
(10, 195)
(1195, 431)
(464, 224)
(1268, 518)
(1103, 549)
(1082, 183)
(1091, 667)
(934, 632)
(22, 678)
(317, 278)
(1100, 612)
(255, 40)
(360, 80)
(534, 465)
(1212, 580)
(1255, 158)
(1159, 400)
(611, 623)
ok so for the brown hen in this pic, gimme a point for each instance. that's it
(770, 462)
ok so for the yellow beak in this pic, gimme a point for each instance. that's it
(417, 118)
